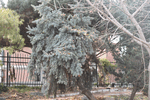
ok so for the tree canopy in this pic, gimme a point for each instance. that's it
(132, 60)
(26, 12)
(10, 38)
(60, 44)
(125, 16)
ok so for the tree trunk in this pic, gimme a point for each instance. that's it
(148, 75)
(133, 92)
(84, 90)
(55, 88)
(149, 82)
(51, 85)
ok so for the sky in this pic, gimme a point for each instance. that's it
(5, 1)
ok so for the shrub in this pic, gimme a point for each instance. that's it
(3, 88)
(24, 88)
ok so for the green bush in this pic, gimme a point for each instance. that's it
(20, 87)
(3, 88)
(24, 88)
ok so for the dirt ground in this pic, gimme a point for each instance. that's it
(13, 94)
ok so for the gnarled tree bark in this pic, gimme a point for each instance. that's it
(85, 91)
(133, 92)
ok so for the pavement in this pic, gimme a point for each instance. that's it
(106, 92)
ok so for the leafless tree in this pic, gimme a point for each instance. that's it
(131, 17)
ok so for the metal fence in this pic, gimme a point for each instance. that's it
(13, 71)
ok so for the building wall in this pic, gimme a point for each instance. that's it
(18, 54)
(19, 62)
(109, 57)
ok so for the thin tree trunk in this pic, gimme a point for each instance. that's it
(84, 90)
(148, 75)
(55, 88)
(51, 85)
(133, 92)
(149, 83)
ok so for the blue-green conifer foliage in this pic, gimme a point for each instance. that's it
(60, 43)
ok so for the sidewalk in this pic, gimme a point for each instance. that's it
(97, 93)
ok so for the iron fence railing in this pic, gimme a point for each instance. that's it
(13, 71)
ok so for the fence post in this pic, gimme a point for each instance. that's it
(96, 75)
(7, 67)
(8, 70)
(0, 74)
(0, 68)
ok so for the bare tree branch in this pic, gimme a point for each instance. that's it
(139, 8)
(133, 14)
(115, 22)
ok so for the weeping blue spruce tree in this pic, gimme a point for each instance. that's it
(60, 44)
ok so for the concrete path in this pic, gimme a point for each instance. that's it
(109, 92)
